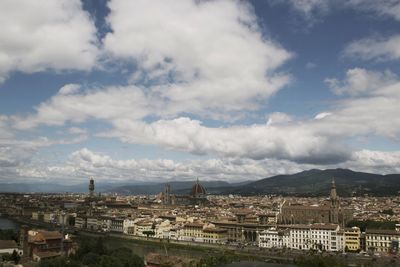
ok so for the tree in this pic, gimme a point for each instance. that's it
(148, 233)
(15, 257)
(91, 259)
(99, 247)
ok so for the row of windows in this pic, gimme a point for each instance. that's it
(378, 244)
(380, 237)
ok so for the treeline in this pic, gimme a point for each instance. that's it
(368, 224)
(8, 234)
(93, 253)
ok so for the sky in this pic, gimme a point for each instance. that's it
(163, 90)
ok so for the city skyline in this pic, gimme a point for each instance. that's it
(175, 90)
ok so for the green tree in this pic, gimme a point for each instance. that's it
(107, 261)
(91, 259)
(15, 257)
(127, 257)
(148, 233)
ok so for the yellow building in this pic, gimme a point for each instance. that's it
(193, 232)
(215, 235)
(352, 239)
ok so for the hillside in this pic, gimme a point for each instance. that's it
(307, 183)
(317, 182)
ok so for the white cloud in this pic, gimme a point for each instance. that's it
(78, 106)
(311, 10)
(205, 57)
(375, 48)
(295, 142)
(77, 130)
(385, 162)
(85, 163)
(18, 152)
(389, 8)
(322, 115)
(49, 34)
(318, 140)
(314, 10)
(5, 127)
(360, 81)
(278, 118)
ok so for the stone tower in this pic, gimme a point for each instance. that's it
(91, 187)
(334, 202)
(167, 195)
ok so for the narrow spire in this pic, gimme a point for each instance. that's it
(333, 195)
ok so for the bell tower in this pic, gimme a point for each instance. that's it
(334, 202)
(333, 196)
(91, 187)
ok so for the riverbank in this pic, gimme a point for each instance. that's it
(144, 247)
(198, 250)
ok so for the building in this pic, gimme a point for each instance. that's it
(197, 196)
(246, 226)
(382, 241)
(215, 235)
(271, 238)
(325, 237)
(80, 222)
(92, 224)
(117, 225)
(144, 228)
(328, 212)
(352, 239)
(91, 188)
(193, 232)
(47, 244)
(299, 237)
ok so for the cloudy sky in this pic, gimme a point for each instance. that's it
(139, 90)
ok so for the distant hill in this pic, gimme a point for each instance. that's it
(317, 182)
(307, 183)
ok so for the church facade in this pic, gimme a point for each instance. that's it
(328, 212)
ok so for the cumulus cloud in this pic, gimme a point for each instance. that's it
(318, 140)
(41, 35)
(375, 48)
(385, 162)
(360, 81)
(78, 106)
(204, 57)
(278, 118)
(18, 152)
(85, 163)
(291, 142)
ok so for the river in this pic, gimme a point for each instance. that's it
(6, 223)
(256, 264)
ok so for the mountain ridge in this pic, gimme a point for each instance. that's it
(313, 182)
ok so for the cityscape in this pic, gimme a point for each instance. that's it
(199, 133)
(366, 228)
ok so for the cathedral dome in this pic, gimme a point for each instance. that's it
(197, 189)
